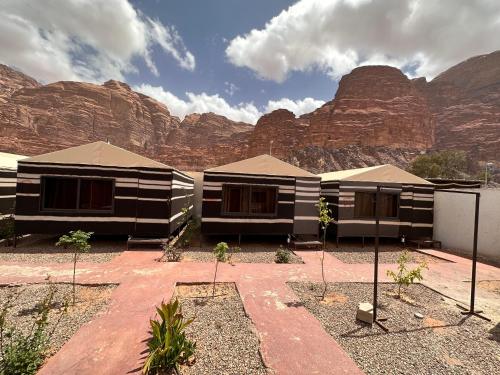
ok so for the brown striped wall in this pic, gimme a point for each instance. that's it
(7, 191)
(415, 210)
(142, 201)
(296, 213)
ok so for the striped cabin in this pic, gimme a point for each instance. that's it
(261, 195)
(101, 188)
(8, 170)
(406, 203)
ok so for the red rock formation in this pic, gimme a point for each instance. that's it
(374, 106)
(12, 80)
(377, 116)
(465, 102)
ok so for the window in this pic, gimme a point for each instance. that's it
(62, 193)
(96, 195)
(364, 205)
(249, 200)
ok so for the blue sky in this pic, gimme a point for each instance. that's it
(240, 58)
(206, 28)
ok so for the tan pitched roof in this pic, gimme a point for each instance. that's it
(9, 161)
(263, 165)
(380, 173)
(97, 153)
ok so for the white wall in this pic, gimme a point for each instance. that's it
(454, 222)
(198, 191)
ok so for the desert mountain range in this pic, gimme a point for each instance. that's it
(378, 115)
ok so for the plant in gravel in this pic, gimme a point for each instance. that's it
(171, 253)
(405, 276)
(7, 229)
(78, 241)
(220, 251)
(282, 255)
(168, 346)
(325, 219)
(23, 353)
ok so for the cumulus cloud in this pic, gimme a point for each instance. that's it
(421, 37)
(200, 103)
(90, 40)
(298, 107)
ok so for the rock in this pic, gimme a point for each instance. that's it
(378, 116)
(418, 315)
(365, 312)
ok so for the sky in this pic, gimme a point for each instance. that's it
(240, 58)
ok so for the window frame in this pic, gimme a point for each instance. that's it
(44, 178)
(248, 214)
(388, 218)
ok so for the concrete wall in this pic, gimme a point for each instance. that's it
(198, 191)
(454, 222)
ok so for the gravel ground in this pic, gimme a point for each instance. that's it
(247, 255)
(24, 300)
(443, 342)
(42, 249)
(226, 341)
(387, 254)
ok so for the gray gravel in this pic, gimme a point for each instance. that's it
(225, 337)
(42, 249)
(387, 254)
(247, 255)
(413, 346)
(24, 300)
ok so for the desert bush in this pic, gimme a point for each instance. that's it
(79, 242)
(22, 353)
(404, 276)
(171, 253)
(168, 346)
(282, 255)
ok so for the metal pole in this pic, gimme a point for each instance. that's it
(474, 255)
(375, 271)
(485, 175)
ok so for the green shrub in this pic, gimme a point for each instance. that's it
(220, 251)
(24, 353)
(79, 242)
(404, 276)
(168, 345)
(282, 255)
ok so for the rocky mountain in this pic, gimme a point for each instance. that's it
(378, 116)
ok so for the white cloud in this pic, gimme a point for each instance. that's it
(298, 107)
(200, 103)
(231, 88)
(92, 40)
(336, 36)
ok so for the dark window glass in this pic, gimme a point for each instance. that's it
(60, 193)
(263, 200)
(96, 194)
(364, 205)
(249, 200)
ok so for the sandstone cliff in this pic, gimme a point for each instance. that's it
(378, 116)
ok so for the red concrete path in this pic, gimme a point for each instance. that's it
(292, 340)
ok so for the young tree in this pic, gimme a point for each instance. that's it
(324, 220)
(79, 242)
(404, 276)
(220, 251)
